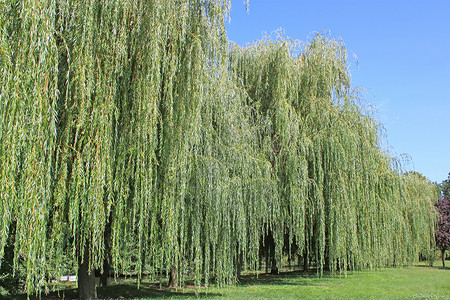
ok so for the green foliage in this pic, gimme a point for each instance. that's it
(337, 190)
(132, 127)
(445, 187)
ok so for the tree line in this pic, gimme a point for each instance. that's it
(135, 138)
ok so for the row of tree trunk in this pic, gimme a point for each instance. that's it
(87, 277)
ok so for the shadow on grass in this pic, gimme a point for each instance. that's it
(298, 278)
(124, 291)
(128, 290)
(437, 265)
(150, 290)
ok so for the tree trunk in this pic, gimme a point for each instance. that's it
(86, 279)
(274, 270)
(273, 260)
(239, 264)
(107, 260)
(105, 275)
(9, 282)
(305, 260)
(443, 258)
(173, 279)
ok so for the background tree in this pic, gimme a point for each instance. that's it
(341, 201)
(443, 227)
(445, 187)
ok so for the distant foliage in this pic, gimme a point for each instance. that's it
(443, 224)
(445, 187)
(134, 130)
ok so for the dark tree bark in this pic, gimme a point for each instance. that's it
(443, 258)
(173, 278)
(305, 261)
(106, 270)
(107, 260)
(86, 279)
(12, 284)
(271, 252)
(239, 263)
(274, 270)
(306, 256)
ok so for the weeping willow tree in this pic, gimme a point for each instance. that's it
(341, 203)
(134, 138)
(130, 144)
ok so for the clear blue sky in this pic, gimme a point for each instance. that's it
(403, 50)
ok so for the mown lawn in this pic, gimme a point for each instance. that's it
(417, 282)
(414, 282)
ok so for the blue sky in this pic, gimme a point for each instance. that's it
(403, 50)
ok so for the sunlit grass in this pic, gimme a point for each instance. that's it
(417, 282)
(413, 282)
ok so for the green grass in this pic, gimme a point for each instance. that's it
(413, 282)
(420, 282)
(417, 282)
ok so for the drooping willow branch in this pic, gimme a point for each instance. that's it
(139, 119)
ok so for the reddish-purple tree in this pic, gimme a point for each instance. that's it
(443, 226)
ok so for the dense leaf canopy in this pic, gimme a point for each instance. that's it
(445, 187)
(443, 225)
(133, 129)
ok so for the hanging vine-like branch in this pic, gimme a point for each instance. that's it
(131, 131)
